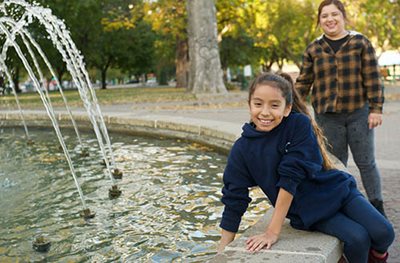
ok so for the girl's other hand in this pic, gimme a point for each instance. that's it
(256, 243)
(226, 238)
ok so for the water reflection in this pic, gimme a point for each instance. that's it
(169, 209)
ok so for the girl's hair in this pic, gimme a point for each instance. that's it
(337, 3)
(284, 83)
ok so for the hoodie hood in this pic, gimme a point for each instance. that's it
(249, 130)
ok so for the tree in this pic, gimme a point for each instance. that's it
(205, 75)
(378, 20)
(169, 19)
(237, 47)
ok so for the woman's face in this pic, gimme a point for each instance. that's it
(332, 22)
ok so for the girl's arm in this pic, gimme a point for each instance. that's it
(226, 238)
(271, 235)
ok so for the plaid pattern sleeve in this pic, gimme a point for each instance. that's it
(371, 79)
(343, 81)
(306, 77)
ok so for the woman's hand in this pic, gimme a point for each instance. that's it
(374, 120)
(256, 243)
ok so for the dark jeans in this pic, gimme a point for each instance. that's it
(351, 129)
(361, 227)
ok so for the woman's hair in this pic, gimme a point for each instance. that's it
(284, 83)
(337, 3)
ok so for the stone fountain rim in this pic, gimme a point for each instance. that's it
(147, 126)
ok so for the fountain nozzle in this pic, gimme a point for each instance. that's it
(105, 163)
(41, 244)
(84, 153)
(117, 174)
(87, 214)
(114, 192)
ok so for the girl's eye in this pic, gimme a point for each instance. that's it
(275, 106)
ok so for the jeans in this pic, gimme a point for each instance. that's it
(360, 227)
(351, 129)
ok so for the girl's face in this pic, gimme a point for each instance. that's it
(268, 107)
(332, 22)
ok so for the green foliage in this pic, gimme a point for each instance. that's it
(109, 33)
(140, 36)
(379, 20)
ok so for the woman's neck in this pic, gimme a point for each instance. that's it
(338, 36)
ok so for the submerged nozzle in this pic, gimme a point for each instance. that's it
(87, 214)
(114, 192)
(104, 163)
(117, 174)
(41, 244)
(84, 153)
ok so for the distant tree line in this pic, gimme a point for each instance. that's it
(138, 37)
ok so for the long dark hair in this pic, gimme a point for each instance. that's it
(284, 83)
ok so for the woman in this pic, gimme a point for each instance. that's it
(341, 71)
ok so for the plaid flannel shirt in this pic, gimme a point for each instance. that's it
(341, 82)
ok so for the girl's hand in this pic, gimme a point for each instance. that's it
(256, 243)
(226, 238)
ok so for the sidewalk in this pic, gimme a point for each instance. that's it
(227, 113)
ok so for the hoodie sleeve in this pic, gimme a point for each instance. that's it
(235, 192)
(301, 158)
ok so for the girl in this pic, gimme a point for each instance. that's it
(347, 93)
(283, 152)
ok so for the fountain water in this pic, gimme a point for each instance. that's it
(174, 207)
(16, 17)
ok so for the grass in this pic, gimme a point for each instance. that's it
(105, 97)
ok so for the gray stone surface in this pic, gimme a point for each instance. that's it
(294, 246)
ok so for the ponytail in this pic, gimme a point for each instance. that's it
(299, 106)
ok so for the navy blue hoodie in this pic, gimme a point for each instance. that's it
(286, 157)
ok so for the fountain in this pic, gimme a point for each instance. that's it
(170, 208)
(16, 17)
(173, 207)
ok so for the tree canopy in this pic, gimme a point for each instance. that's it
(138, 37)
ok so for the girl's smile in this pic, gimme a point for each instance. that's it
(268, 107)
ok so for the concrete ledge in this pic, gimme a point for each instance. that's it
(294, 246)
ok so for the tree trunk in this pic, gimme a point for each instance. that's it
(60, 74)
(104, 78)
(182, 63)
(15, 79)
(103, 72)
(205, 75)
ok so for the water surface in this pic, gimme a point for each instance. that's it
(169, 210)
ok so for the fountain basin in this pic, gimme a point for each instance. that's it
(123, 232)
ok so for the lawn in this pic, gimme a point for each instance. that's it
(104, 96)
